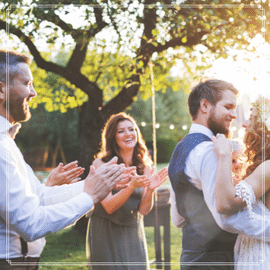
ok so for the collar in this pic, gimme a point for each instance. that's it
(4, 124)
(195, 128)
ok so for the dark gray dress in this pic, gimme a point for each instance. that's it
(117, 241)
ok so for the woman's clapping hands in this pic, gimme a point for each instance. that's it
(158, 179)
(149, 179)
(139, 181)
(126, 177)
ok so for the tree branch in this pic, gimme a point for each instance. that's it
(82, 40)
(72, 75)
(125, 98)
(191, 41)
(50, 16)
(32, 48)
(149, 21)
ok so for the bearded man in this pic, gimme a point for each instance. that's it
(208, 237)
(30, 210)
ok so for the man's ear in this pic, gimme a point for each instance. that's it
(204, 105)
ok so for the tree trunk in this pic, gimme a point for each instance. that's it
(91, 123)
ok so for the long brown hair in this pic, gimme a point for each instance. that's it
(257, 140)
(110, 148)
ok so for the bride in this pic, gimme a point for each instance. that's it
(249, 253)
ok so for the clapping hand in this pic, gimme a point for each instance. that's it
(126, 177)
(149, 171)
(99, 182)
(159, 178)
(139, 181)
(64, 174)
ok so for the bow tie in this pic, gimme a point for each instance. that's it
(14, 130)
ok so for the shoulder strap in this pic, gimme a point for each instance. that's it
(181, 152)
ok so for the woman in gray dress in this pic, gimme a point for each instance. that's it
(115, 235)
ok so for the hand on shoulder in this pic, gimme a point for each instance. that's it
(222, 145)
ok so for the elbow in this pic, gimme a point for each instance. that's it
(108, 210)
(222, 210)
(225, 209)
(30, 237)
(145, 212)
(32, 234)
(29, 233)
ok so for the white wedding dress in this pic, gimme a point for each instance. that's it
(250, 253)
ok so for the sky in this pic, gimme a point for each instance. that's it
(251, 77)
(249, 72)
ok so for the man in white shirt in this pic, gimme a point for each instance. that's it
(208, 237)
(30, 210)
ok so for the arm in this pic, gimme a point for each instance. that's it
(113, 202)
(24, 213)
(227, 202)
(49, 195)
(204, 162)
(225, 194)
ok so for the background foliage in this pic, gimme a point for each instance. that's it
(106, 47)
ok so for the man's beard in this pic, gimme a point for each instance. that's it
(17, 109)
(217, 125)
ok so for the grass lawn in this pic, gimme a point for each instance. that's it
(66, 249)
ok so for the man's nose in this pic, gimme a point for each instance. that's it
(33, 92)
(233, 114)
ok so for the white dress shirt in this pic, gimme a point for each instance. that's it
(28, 208)
(177, 220)
(201, 168)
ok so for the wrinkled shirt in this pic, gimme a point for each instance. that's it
(28, 208)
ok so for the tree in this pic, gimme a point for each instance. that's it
(142, 30)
